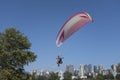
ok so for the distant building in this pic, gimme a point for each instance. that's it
(95, 69)
(106, 72)
(88, 70)
(35, 72)
(70, 68)
(81, 73)
(114, 67)
(61, 75)
(76, 72)
(100, 68)
(114, 70)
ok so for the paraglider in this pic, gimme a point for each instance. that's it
(73, 24)
(59, 60)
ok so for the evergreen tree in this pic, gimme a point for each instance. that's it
(14, 55)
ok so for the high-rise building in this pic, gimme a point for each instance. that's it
(106, 72)
(95, 69)
(70, 68)
(114, 70)
(61, 75)
(114, 67)
(90, 68)
(86, 70)
(82, 71)
(100, 68)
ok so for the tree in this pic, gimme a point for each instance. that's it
(109, 76)
(118, 68)
(67, 76)
(54, 76)
(99, 77)
(118, 77)
(118, 72)
(79, 78)
(14, 55)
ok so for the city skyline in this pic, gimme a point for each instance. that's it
(71, 68)
(40, 20)
(83, 71)
(87, 71)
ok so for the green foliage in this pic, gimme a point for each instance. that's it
(53, 76)
(118, 68)
(14, 55)
(109, 76)
(9, 74)
(67, 76)
(104, 77)
(118, 77)
(99, 77)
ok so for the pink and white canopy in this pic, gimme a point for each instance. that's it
(72, 25)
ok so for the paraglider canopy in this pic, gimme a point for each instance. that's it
(73, 24)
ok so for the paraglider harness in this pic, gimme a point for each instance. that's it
(59, 60)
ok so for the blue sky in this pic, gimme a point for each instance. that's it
(40, 20)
